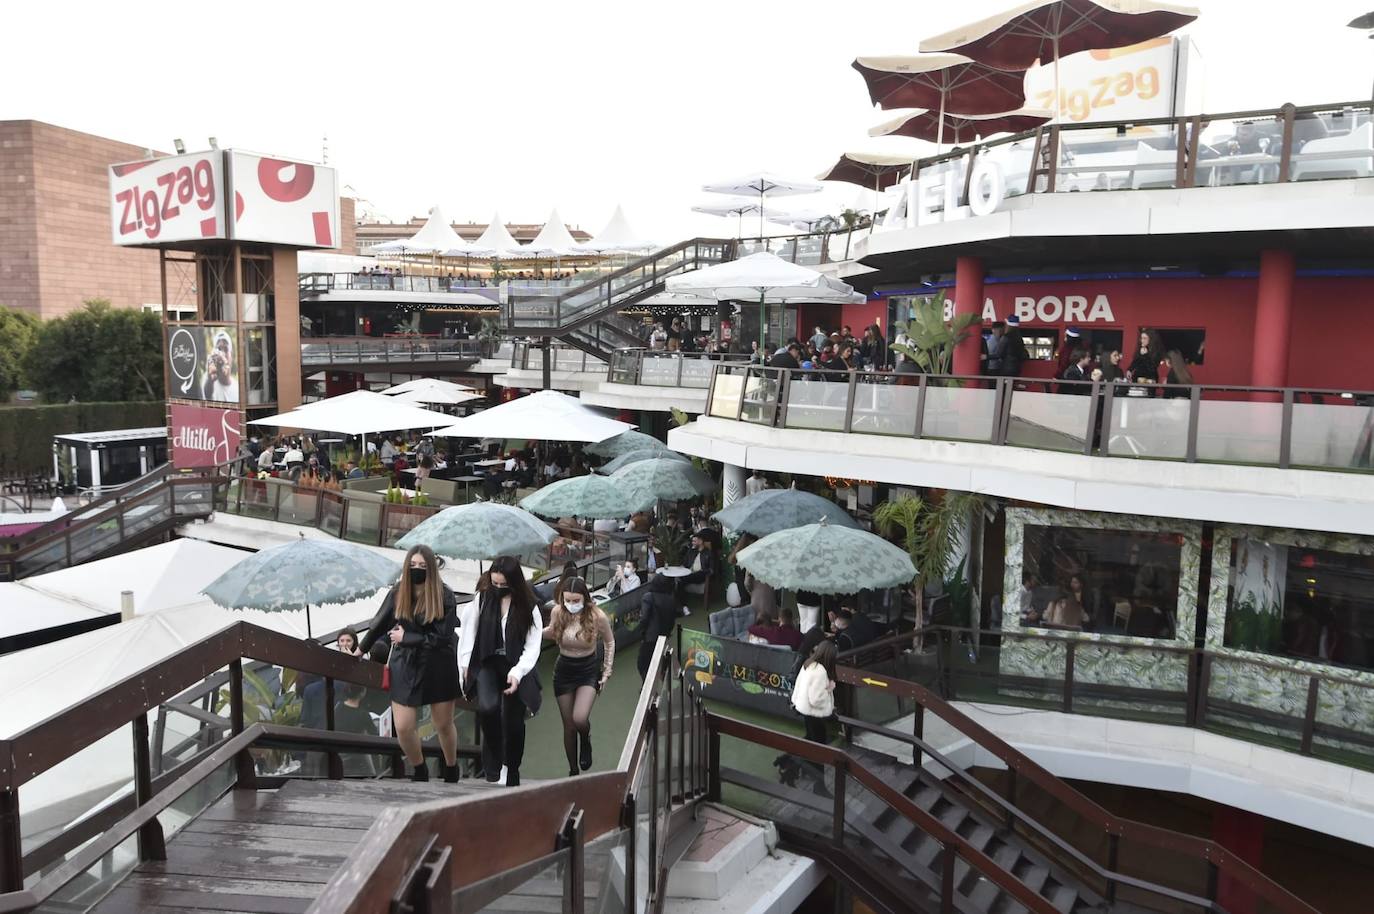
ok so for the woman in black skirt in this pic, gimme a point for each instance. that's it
(579, 627)
(419, 618)
(497, 652)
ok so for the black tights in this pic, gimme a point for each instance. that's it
(576, 709)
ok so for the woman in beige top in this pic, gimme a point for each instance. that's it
(579, 627)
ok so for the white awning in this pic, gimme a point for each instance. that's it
(361, 412)
(496, 241)
(436, 236)
(553, 240)
(545, 415)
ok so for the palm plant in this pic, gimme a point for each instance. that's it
(933, 339)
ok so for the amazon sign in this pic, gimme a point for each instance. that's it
(740, 673)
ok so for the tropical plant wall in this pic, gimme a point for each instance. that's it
(1102, 659)
(1248, 675)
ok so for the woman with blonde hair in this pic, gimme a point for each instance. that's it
(419, 617)
(579, 627)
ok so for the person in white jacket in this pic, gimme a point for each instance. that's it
(813, 695)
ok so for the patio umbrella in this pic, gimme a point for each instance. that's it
(772, 510)
(624, 443)
(630, 457)
(544, 415)
(434, 393)
(763, 183)
(923, 124)
(1038, 31)
(359, 412)
(738, 207)
(422, 383)
(768, 278)
(662, 479)
(303, 573)
(481, 530)
(878, 169)
(942, 82)
(826, 558)
(589, 497)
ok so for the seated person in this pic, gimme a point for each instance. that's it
(779, 630)
(625, 580)
(808, 610)
(852, 628)
(702, 564)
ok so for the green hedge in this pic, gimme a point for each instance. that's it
(26, 432)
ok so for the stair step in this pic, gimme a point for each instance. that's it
(1063, 898)
(976, 833)
(1031, 873)
(985, 894)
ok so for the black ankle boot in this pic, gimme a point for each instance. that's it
(450, 773)
(421, 772)
(584, 741)
(512, 777)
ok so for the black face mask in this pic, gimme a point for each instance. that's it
(501, 588)
(418, 575)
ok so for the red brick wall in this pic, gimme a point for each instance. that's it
(18, 227)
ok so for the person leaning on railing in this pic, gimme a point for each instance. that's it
(420, 617)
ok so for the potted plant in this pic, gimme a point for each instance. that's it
(933, 339)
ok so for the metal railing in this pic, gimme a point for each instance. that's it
(1265, 146)
(1255, 426)
(319, 283)
(363, 351)
(617, 289)
(530, 357)
(657, 368)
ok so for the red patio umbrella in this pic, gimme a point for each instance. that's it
(941, 82)
(1040, 31)
(964, 128)
(867, 169)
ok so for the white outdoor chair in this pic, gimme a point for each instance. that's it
(1153, 167)
(1360, 140)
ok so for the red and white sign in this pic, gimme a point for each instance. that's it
(202, 436)
(280, 201)
(175, 198)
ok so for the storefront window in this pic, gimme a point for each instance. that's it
(262, 365)
(1298, 602)
(1120, 582)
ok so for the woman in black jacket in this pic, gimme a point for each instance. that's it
(498, 653)
(419, 617)
(658, 612)
(1148, 355)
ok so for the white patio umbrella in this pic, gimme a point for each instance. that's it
(545, 415)
(1038, 31)
(432, 390)
(423, 383)
(768, 278)
(360, 412)
(762, 183)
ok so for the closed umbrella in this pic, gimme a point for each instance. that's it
(624, 443)
(1038, 31)
(300, 574)
(772, 510)
(762, 183)
(630, 457)
(481, 530)
(663, 479)
(826, 558)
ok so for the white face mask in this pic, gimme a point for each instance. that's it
(573, 607)
(629, 570)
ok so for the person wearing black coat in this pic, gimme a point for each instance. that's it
(420, 618)
(702, 564)
(658, 612)
(497, 652)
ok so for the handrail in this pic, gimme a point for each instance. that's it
(110, 494)
(1112, 825)
(788, 398)
(846, 765)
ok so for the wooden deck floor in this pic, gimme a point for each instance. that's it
(266, 852)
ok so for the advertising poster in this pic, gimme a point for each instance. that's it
(203, 364)
(1109, 85)
(283, 202)
(740, 673)
(203, 436)
(175, 198)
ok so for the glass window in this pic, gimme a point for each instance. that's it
(1298, 602)
(262, 365)
(1191, 343)
(1122, 582)
(1040, 344)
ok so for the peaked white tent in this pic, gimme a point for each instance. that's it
(436, 236)
(361, 412)
(616, 236)
(553, 240)
(545, 415)
(496, 241)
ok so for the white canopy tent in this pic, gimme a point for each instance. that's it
(436, 236)
(360, 412)
(553, 240)
(496, 241)
(617, 236)
(545, 415)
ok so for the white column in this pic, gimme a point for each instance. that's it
(731, 485)
(94, 456)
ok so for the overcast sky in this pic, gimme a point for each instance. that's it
(525, 106)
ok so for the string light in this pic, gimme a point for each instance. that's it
(843, 482)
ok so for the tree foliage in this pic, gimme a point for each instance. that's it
(17, 331)
(97, 353)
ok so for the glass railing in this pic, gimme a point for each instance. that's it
(355, 351)
(318, 283)
(530, 357)
(1255, 426)
(1309, 143)
(655, 368)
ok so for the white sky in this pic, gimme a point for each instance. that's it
(525, 106)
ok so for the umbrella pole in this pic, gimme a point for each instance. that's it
(763, 327)
(760, 210)
(1055, 119)
(308, 632)
(940, 128)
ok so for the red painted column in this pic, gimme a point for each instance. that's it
(1273, 319)
(968, 299)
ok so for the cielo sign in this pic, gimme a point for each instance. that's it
(934, 198)
(203, 437)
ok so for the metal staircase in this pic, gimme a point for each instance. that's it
(587, 317)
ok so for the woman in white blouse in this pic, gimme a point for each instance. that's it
(498, 648)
